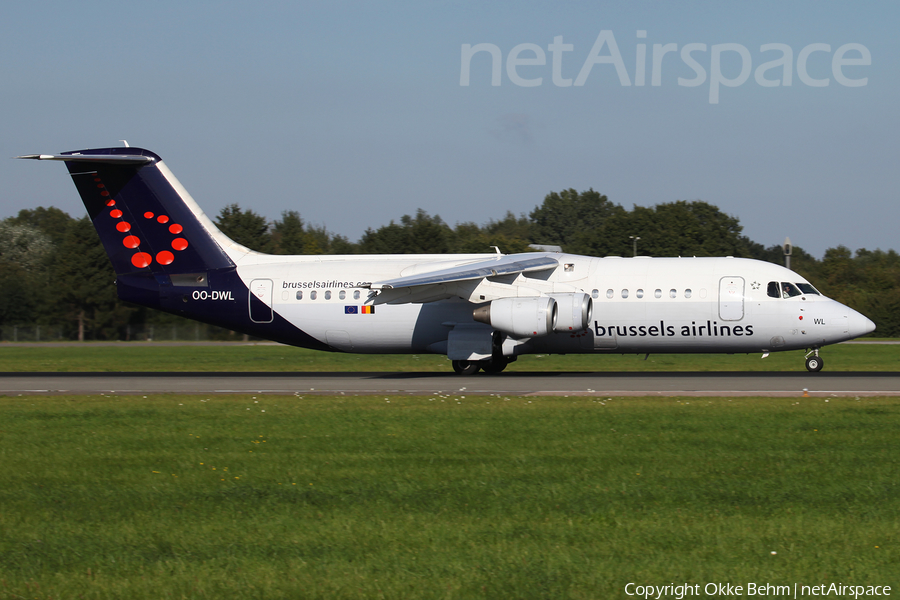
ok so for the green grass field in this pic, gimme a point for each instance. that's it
(441, 497)
(138, 356)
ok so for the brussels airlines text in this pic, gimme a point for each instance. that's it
(708, 329)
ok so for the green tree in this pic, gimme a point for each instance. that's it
(25, 254)
(802, 261)
(339, 244)
(422, 234)
(17, 300)
(868, 281)
(289, 235)
(571, 219)
(680, 228)
(510, 234)
(24, 245)
(321, 241)
(387, 239)
(85, 291)
(838, 270)
(245, 227)
(511, 227)
(688, 228)
(50, 220)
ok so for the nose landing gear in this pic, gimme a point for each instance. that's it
(814, 362)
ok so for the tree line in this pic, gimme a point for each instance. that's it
(54, 271)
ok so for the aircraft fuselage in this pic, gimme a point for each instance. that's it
(481, 310)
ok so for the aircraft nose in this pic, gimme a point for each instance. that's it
(859, 324)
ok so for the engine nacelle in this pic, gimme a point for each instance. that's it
(575, 311)
(522, 317)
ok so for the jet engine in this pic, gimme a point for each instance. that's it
(575, 311)
(522, 317)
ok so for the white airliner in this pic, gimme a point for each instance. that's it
(481, 310)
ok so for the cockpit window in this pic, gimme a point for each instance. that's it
(789, 290)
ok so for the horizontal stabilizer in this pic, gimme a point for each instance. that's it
(110, 159)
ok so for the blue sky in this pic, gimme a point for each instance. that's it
(353, 113)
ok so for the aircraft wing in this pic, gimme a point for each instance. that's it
(434, 285)
(505, 265)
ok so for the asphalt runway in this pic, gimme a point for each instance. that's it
(532, 384)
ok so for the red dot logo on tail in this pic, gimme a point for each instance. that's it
(141, 260)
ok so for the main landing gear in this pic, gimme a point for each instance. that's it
(470, 367)
(496, 363)
(466, 367)
(814, 362)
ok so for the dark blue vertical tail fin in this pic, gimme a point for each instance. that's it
(147, 222)
(166, 253)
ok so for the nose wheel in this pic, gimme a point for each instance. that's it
(814, 362)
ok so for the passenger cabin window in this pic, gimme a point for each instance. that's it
(624, 293)
(356, 294)
(595, 294)
(673, 293)
(312, 295)
(299, 295)
(640, 293)
(657, 294)
(687, 293)
(328, 295)
(342, 294)
(610, 293)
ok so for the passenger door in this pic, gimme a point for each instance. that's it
(731, 298)
(261, 312)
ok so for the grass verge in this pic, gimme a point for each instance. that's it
(240, 358)
(442, 496)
